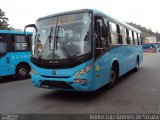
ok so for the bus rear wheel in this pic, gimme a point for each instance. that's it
(22, 71)
(137, 65)
(113, 76)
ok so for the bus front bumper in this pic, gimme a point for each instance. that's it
(68, 84)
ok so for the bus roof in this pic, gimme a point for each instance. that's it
(14, 32)
(64, 13)
(94, 11)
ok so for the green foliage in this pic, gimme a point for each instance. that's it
(4, 21)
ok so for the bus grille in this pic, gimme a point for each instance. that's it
(56, 84)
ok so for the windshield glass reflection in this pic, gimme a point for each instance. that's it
(62, 37)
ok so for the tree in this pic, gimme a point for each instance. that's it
(4, 21)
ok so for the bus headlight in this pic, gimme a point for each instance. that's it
(34, 72)
(84, 71)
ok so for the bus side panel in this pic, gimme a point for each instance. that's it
(104, 63)
(131, 60)
(12, 59)
(121, 55)
(101, 70)
(139, 52)
(135, 51)
(123, 59)
(5, 67)
(126, 56)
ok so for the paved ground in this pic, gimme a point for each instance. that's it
(135, 93)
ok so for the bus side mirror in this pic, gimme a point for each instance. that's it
(104, 31)
(30, 25)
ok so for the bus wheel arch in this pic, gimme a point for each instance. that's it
(114, 73)
(22, 70)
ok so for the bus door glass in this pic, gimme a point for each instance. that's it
(101, 47)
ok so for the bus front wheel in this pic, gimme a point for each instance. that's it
(22, 71)
(113, 76)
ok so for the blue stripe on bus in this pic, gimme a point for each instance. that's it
(13, 32)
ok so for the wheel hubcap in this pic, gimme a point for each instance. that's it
(22, 71)
(137, 65)
(113, 76)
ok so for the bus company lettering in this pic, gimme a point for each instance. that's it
(18, 57)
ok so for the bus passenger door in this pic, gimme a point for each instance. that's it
(101, 56)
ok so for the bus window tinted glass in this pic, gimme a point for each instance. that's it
(135, 38)
(20, 43)
(130, 37)
(123, 34)
(3, 46)
(113, 33)
(139, 39)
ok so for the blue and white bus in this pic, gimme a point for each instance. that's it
(15, 52)
(82, 50)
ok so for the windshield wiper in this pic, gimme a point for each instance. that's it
(65, 50)
(49, 38)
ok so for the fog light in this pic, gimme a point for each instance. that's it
(79, 80)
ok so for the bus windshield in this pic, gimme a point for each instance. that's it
(62, 37)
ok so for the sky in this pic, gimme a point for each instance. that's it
(142, 12)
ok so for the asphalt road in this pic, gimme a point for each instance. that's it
(135, 93)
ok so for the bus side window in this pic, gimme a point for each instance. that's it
(123, 35)
(131, 37)
(101, 34)
(119, 35)
(97, 32)
(29, 40)
(3, 43)
(135, 38)
(139, 39)
(113, 33)
(106, 23)
(20, 43)
(128, 38)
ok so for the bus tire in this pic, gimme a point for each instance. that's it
(137, 65)
(22, 71)
(113, 76)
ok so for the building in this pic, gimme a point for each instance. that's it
(150, 40)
